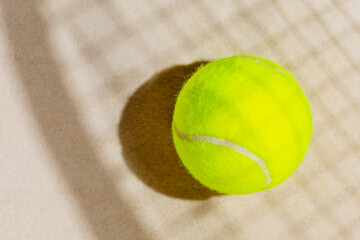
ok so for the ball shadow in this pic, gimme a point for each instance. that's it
(146, 138)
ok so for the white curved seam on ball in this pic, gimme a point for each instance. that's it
(252, 59)
(235, 147)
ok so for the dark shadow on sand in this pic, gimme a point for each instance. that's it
(146, 138)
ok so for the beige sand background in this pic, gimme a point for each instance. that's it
(86, 95)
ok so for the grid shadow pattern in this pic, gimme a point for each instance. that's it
(318, 41)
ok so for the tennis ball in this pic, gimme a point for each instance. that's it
(241, 124)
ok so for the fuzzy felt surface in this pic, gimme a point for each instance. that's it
(249, 101)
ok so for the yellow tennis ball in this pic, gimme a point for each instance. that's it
(241, 124)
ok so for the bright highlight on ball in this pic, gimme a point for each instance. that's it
(241, 124)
